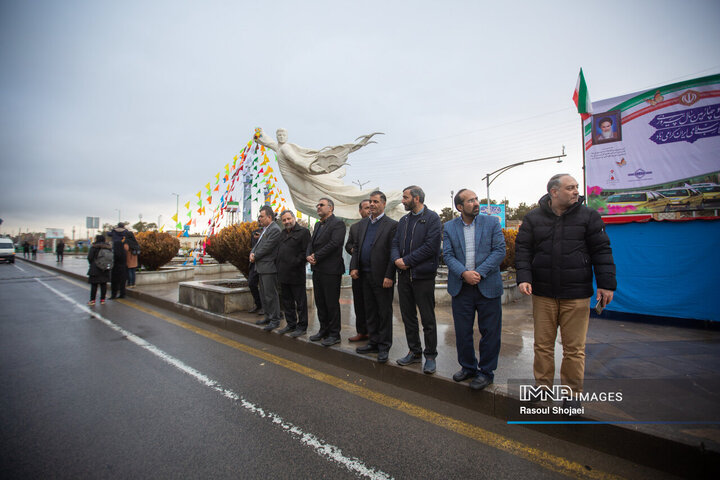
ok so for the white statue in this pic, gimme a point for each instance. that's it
(313, 174)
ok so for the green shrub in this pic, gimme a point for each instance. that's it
(233, 244)
(156, 249)
(509, 260)
(212, 247)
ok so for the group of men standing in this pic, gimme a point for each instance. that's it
(559, 247)
(381, 249)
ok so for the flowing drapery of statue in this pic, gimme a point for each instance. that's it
(313, 174)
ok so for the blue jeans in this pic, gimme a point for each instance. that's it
(131, 276)
(489, 317)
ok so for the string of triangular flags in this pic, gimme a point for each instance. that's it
(253, 162)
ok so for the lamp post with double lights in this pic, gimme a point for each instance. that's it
(489, 177)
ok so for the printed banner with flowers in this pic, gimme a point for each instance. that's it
(656, 154)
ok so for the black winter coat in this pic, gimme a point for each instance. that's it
(95, 275)
(557, 255)
(291, 257)
(327, 245)
(423, 256)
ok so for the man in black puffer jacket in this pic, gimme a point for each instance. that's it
(558, 246)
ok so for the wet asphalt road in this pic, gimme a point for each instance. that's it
(126, 394)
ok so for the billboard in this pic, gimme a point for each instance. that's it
(54, 233)
(495, 211)
(656, 153)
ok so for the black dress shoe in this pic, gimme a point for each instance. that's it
(367, 349)
(317, 337)
(410, 358)
(463, 375)
(297, 333)
(286, 330)
(262, 321)
(271, 326)
(330, 341)
(480, 382)
(383, 357)
(254, 309)
(260, 312)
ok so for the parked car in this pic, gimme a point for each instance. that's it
(710, 193)
(649, 200)
(7, 250)
(682, 198)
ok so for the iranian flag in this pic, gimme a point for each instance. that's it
(581, 97)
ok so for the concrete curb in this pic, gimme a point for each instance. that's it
(664, 453)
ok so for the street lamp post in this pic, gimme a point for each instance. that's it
(500, 171)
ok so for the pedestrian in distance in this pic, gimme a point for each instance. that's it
(118, 276)
(559, 246)
(59, 250)
(132, 250)
(357, 284)
(416, 253)
(100, 258)
(324, 254)
(291, 263)
(371, 264)
(264, 256)
(474, 248)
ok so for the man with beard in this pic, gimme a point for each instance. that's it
(558, 248)
(324, 254)
(416, 253)
(357, 284)
(606, 133)
(264, 256)
(372, 266)
(473, 249)
(291, 272)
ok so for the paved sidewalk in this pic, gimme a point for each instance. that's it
(667, 374)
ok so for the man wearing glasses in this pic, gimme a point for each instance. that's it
(324, 254)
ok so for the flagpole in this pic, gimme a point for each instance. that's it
(582, 144)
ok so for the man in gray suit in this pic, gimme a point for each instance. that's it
(474, 248)
(264, 255)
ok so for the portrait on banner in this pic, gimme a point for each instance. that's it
(607, 127)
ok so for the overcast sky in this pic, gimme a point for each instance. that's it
(109, 105)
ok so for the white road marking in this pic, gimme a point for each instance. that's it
(322, 448)
(16, 266)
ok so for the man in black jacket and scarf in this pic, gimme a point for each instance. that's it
(558, 247)
(416, 253)
(324, 254)
(291, 273)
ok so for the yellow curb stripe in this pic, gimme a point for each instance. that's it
(539, 457)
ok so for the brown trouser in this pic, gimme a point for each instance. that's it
(572, 316)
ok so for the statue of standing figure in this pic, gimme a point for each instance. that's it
(314, 174)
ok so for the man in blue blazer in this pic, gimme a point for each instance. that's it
(473, 248)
